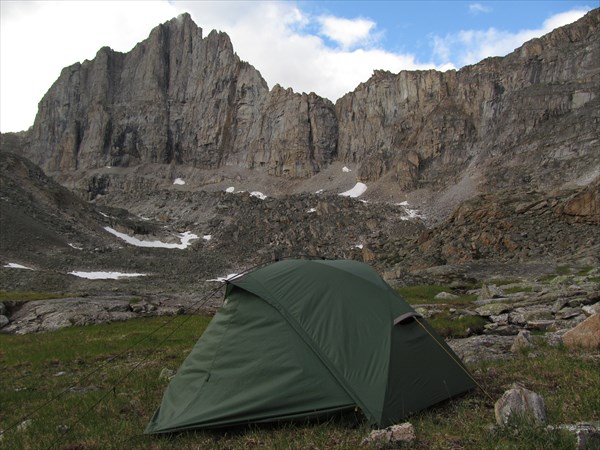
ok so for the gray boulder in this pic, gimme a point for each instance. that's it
(520, 402)
(523, 341)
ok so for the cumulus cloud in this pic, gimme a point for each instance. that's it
(346, 32)
(287, 47)
(38, 39)
(471, 46)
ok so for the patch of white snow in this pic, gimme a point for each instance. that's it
(320, 191)
(179, 181)
(230, 189)
(358, 190)
(258, 194)
(345, 169)
(311, 210)
(185, 239)
(17, 266)
(231, 276)
(76, 247)
(360, 246)
(105, 275)
(207, 237)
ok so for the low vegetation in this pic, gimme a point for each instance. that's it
(445, 324)
(27, 296)
(423, 294)
(97, 387)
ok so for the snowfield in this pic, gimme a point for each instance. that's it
(185, 239)
(358, 190)
(105, 275)
(17, 266)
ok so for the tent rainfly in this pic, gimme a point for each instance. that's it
(303, 338)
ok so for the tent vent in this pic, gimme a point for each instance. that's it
(406, 318)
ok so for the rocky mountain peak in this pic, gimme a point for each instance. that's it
(527, 120)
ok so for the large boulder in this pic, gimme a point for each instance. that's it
(519, 402)
(586, 334)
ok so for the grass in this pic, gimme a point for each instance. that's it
(444, 323)
(424, 294)
(37, 368)
(517, 289)
(27, 295)
(449, 327)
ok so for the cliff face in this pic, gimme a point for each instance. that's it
(179, 98)
(528, 119)
(535, 108)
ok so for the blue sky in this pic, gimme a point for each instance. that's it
(327, 47)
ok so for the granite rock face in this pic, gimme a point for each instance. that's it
(179, 98)
(528, 120)
(537, 107)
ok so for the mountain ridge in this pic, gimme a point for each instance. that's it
(184, 99)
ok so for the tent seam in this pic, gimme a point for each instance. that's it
(309, 341)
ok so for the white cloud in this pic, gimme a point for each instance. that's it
(346, 32)
(477, 8)
(275, 38)
(38, 39)
(471, 46)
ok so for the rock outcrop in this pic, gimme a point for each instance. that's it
(527, 120)
(512, 121)
(179, 98)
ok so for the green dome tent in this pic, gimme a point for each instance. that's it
(301, 338)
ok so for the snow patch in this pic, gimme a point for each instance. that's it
(258, 194)
(410, 213)
(231, 276)
(207, 237)
(185, 239)
(179, 181)
(345, 169)
(76, 247)
(105, 275)
(105, 215)
(360, 246)
(17, 266)
(311, 210)
(230, 189)
(358, 190)
(320, 191)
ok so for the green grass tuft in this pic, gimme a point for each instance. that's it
(423, 294)
(28, 295)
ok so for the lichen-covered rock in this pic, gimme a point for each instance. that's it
(519, 402)
(493, 309)
(391, 436)
(523, 341)
(586, 334)
(445, 296)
